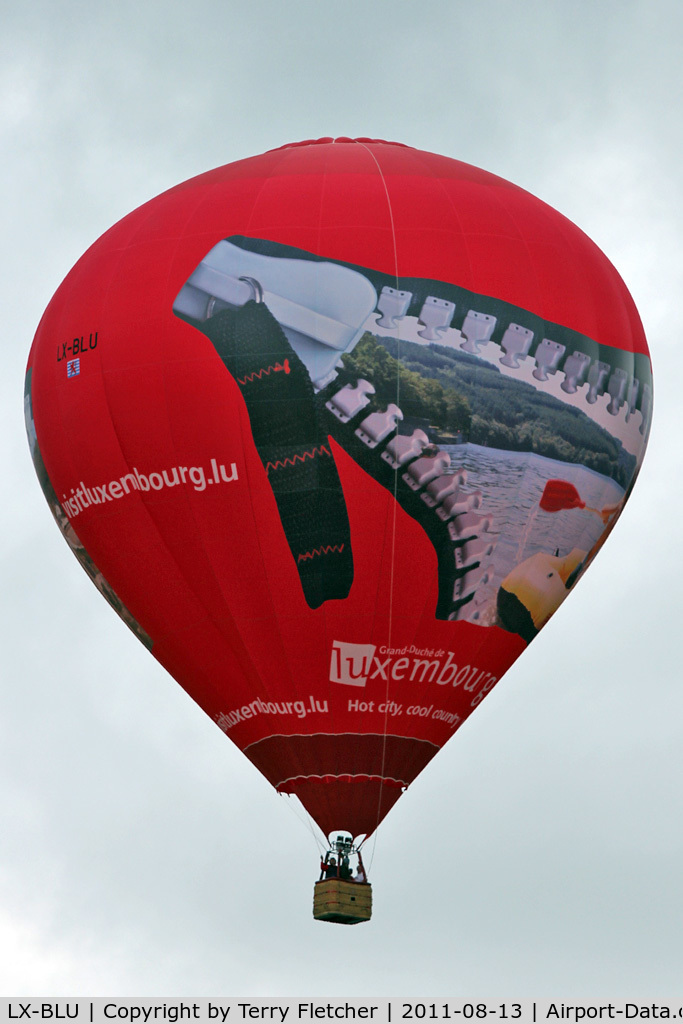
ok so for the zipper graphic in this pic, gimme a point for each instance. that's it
(426, 486)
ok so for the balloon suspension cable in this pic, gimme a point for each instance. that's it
(307, 821)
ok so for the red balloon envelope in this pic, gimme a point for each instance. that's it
(295, 417)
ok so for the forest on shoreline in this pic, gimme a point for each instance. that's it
(459, 393)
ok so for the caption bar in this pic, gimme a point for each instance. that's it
(287, 1011)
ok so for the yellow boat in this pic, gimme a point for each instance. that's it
(535, 589)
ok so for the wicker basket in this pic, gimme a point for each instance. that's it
(342, 902)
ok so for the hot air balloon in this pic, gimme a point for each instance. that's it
(329, 428)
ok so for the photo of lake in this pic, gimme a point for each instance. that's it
(511, 485)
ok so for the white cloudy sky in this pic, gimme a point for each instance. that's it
(540, 854)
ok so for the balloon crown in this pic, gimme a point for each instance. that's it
(327, 139)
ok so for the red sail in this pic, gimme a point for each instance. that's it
(560, 494)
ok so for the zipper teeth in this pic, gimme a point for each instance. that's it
(550, 357)
(467, 531)
(516, 344)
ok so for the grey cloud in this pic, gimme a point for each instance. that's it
(541, 851)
